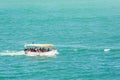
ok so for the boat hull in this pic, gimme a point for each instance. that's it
(42, 54)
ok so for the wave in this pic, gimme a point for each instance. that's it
(11, 53)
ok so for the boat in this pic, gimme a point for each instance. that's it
(43, 50)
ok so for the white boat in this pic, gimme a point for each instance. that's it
(43, 50)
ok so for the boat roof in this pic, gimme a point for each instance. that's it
(39, 45)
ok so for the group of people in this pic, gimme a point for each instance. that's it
(37, 50)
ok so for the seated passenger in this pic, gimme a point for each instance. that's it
(40, 49)
(35, 49)
(48, 49)
(43, 49)
(25, 49)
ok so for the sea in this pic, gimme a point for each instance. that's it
(86, 34)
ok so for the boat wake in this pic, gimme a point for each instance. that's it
(20, 53)
(11, 53)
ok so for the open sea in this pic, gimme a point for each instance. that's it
(86, 34)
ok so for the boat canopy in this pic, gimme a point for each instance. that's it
(39, 45)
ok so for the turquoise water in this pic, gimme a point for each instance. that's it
(81, 30)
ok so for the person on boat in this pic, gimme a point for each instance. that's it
(35, 49)
(31, 49)
(48, 49)
(28, 49)
(43, 50)
(25, 49)
(39, 50)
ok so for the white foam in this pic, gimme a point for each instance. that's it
(107, 50)
(11, 53)
(18, 53)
